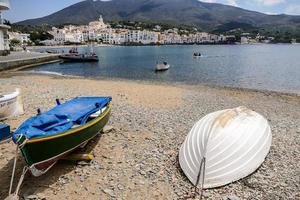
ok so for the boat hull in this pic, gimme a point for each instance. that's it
(225, 146)
(162, 67)
(78, 59)
(41, 154)
(10, 105)
(4, 133)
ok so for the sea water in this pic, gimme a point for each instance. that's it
(260, 66)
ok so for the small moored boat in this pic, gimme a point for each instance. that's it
(75, 56)
(52, 51)
(162, 67)
(79, 57)
(197, 55)
(225, 146)
(50, 136)
(11, 104)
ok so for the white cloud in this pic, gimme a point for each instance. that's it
(270, 2)
(209, 1)
(232, 2)
(270, 13)
(228, 2)
(293, 10)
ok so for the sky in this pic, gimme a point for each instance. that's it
(28, 9)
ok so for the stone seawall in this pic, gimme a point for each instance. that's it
(30, 60)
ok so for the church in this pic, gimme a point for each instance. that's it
(98, 25)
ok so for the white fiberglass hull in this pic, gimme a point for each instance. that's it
(10, 105)
(162, 67)
(225, 146)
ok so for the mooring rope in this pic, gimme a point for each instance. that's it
(13, 171)
(25, 169)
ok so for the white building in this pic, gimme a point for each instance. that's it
(98, 25)
(48, 42)
(79, 34)
(133, 36)
(244, 40)
(59, 35)
(101, 32)
(171, 38)
(4, 42)
(142, 37)
(71, 34)
(22, 37)
(148, 37)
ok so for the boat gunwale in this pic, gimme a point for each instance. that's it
(9, 96)
(73, 130)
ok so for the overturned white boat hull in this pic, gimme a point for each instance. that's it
(11, 105)
(225, 146)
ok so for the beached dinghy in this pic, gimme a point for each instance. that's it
(49, 136)
(225, 146)
(11, 104)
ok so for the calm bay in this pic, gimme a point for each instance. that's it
(260, 66)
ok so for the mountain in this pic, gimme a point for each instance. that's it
(207, 16)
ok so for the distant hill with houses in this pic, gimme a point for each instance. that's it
(206, 16)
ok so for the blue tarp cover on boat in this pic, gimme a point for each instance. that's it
(4, 132)
(62, 117)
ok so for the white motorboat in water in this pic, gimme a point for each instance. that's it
(162, 67)
(224, 147)
(11, 104)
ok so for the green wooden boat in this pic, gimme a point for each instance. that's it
(64, 128)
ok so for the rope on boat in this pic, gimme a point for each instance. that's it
(25, 169)
(23, 143)
(13, 172)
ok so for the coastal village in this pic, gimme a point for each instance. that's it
(101, 32)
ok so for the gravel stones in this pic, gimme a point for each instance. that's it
(138, 157)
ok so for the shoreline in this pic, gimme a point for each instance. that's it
(65, 46)
(150, 122)
(17, 72)
(146, 45)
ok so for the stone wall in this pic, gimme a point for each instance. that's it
(23, 62)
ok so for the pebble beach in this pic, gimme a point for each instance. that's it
(136, 157)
